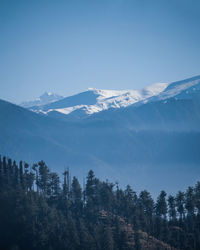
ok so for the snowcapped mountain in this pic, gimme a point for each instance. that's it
(44, 99)
(96, 100)
(180, 90)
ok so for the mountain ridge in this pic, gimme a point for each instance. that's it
(96, 100)
(45, 98)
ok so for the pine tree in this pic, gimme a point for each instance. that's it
(66, 184)
(4, 167)
(106, 197)
(26, 175)
(90, 193)
(10, 169)
(43, 180)
(180, 199)
(130, 200)
(197, 196)
(172, 208)
(54, 185)
(161, 205)
(161, 212)
(21, 174)
(146, 204)
(190, 201)
(76, 197)
(16, 174)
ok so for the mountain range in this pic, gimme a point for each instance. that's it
(46, 98)
(149, 138)
(97, 100)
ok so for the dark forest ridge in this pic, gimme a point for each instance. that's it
(39, 211)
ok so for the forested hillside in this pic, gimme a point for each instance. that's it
(39, 210)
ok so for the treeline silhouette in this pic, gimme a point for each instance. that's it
(39, 211)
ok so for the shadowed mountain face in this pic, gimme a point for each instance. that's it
(145, 145)
(86, 98)
(169, 115)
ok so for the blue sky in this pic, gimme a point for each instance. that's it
(67, 46)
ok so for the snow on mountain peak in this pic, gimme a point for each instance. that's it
(102, 100)
(179, 89)
(95, 100)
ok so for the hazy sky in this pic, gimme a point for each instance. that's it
(67, 46)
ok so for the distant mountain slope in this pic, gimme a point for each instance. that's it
(94, 101)
(142, 145)
(44, 99)
(29, 136)
(180, 90)
(169, 115)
